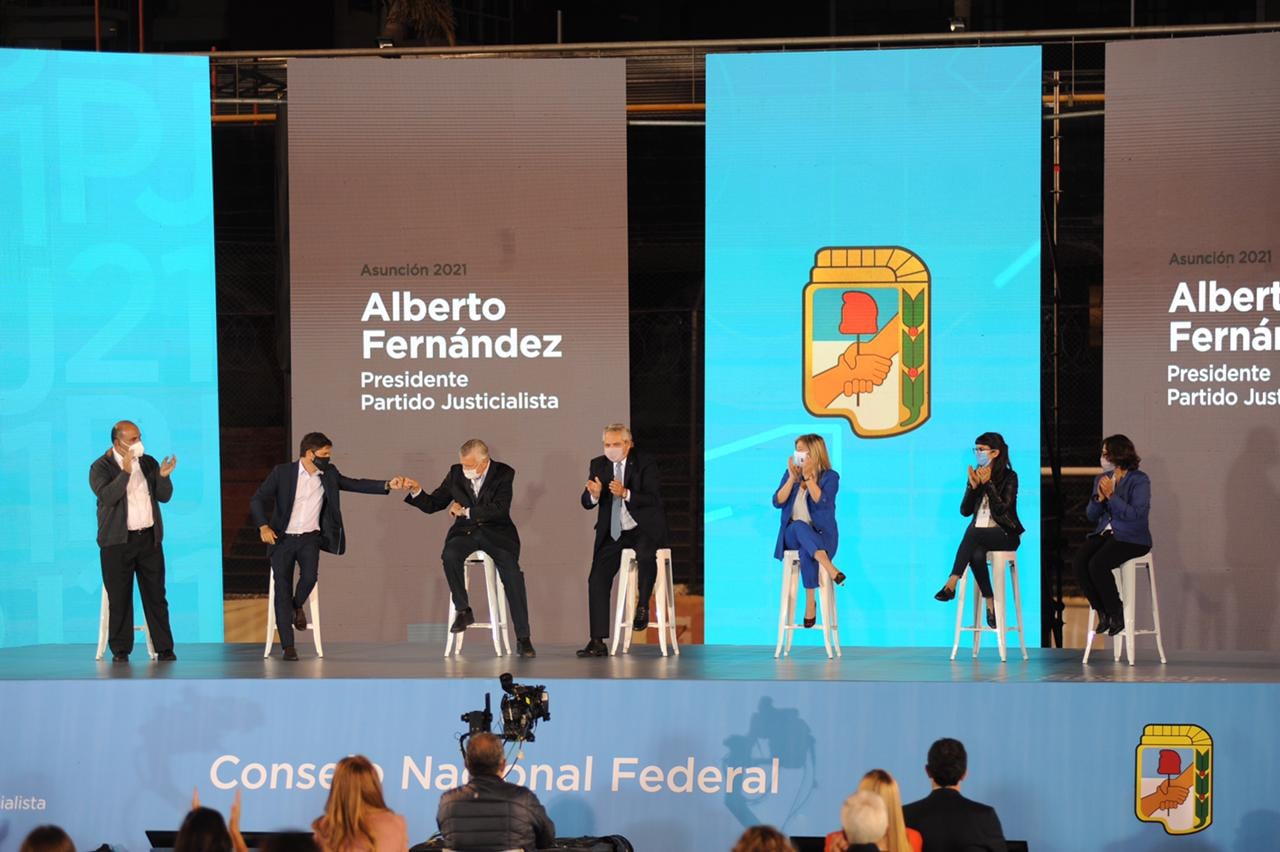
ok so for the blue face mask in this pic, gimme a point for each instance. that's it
(983, 457)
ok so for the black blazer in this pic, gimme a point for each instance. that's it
(1002, 498)
(490, 509)
(282, 484)
(951, 823)
(640, 476)
(110, 483)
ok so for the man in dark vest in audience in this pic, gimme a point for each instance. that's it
(488, 813)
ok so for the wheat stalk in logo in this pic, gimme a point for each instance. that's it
(867, 339)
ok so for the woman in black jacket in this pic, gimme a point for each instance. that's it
(991, 499)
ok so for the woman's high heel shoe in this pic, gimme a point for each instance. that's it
(809, 622)
(839, 578)
(944, 594)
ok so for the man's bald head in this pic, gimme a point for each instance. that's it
(125, 432)
(485, 755)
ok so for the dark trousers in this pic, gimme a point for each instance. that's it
(1094, 562)
(142, 556)
(302, 550)
(456, 551)
(604, 567)
(972, 553)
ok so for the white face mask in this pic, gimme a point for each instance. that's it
(1106, 464)
(614, 454)
(136, 450)
(801, 456)
(471, 473)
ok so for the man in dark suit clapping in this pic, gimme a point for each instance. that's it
(305, 520)
(477, 493)
(622, 485)
(948, 821)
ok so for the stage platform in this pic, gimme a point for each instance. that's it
(350, 660)
(675, 753)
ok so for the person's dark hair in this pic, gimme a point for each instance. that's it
(289, 841)
(484, 755)
(763, 838)
(47, 838)
(313, 441)
(1121, 451)
(995, 441)
(947, 762)
(203, 830)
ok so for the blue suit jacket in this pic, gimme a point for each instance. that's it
(282, 484)
(1128, 510)
(822, 512)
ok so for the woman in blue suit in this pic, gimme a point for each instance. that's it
(807, 500)
(1120, 509)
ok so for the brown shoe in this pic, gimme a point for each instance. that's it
(299, 618)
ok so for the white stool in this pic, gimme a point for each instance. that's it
(313, 604)
(496, 597)
(1126, 583)
(997, 561)
(828, 620)
(664, 595)
(104, 620)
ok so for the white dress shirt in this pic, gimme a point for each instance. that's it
(800, 507)
(628, 522)
(138, 494)
(308, 500)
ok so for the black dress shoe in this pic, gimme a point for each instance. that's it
(944, 594)
(119, 658)
(291, 654)
(299, 618)
(641, 621)
(1115, 626)
(1104, 623)
(809, 622)
(461, 620)
(524, 647)
(991, 618)
(167, 657)
(839, 578)
(595, 648)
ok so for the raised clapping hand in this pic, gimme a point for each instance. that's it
(616, 488)
(457, 509)
(1106, 487)
(793, 469)
(983, 474)
(594, 487)
(168, 464)
(238, 843)
(973, 478)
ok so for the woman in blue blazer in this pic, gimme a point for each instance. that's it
(807, 500)
(1120, 510)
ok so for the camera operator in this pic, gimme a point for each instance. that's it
(488, 813)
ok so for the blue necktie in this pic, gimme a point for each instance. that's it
(615, 516)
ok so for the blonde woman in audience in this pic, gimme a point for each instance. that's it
(356, 818)
(897, 838)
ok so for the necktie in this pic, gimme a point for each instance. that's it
(615, 516)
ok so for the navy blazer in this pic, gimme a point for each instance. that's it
(1128, 510)
(822, 512)
(640, 477)
(282, 485)
(949, 822)
(490, 509)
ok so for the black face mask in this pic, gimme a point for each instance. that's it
(321, 462)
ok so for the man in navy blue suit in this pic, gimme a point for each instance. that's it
(306, 519)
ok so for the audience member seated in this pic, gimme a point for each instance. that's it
(203, 830)
(356, 817)
(488, 813)
(864, 820)
(47, 838)
(897, 837)
(948, 821)
(763, 838)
